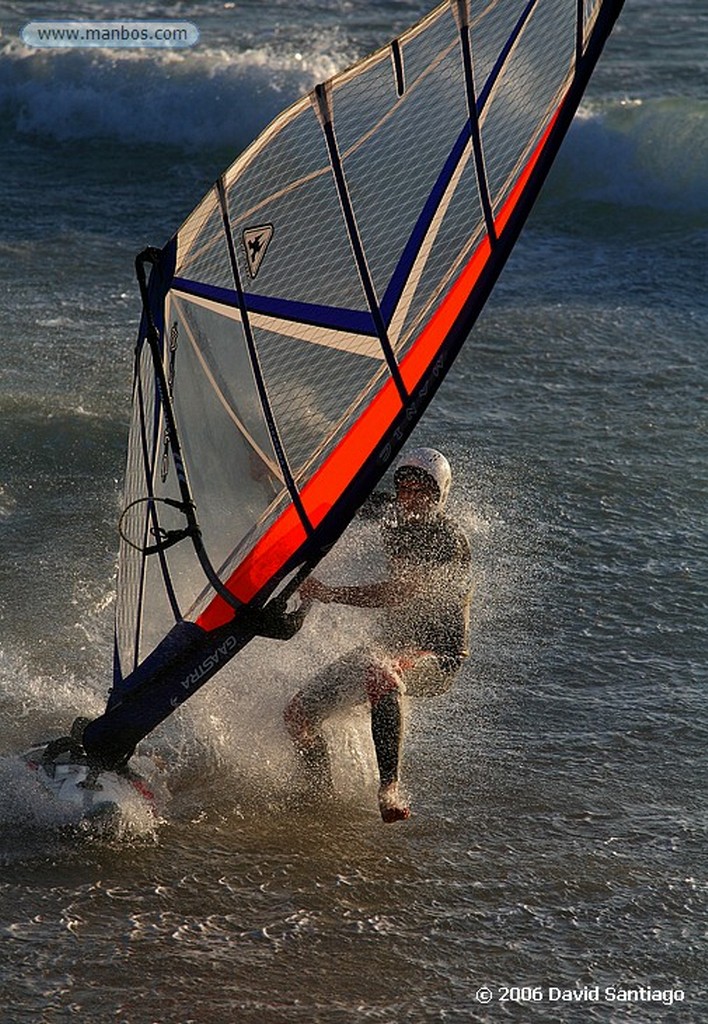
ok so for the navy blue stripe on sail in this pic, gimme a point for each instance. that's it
(335, 318)
(501, 59)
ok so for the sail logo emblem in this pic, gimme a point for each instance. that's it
(255, 245)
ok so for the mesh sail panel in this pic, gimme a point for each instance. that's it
(526, 93)
(234, 476)
(131, 562)
(315, 390)
(318, 293)
(289, 184)
(146, 606)
(202, 254)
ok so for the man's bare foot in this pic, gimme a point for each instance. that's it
(391, 805)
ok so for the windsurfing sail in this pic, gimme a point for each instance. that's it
(301, 319)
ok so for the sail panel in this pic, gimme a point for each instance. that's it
(290, 187)
(131, 562)
(382, 136)
(525, 94)
(148, 604)
(316, 392)
(234, 473)
(202, 253)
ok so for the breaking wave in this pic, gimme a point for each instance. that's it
(213, 98)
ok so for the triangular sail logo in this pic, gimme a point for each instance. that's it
(255, 245)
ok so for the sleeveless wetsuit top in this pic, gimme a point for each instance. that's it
(435, 557)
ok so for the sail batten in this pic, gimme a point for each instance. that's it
(306, 313)
(323, 100)
(262, 391)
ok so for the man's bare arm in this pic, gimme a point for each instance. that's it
(382, 594)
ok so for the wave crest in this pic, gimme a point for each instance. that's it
(204, 99)
(651, 153)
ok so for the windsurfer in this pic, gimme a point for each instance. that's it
(421, 635)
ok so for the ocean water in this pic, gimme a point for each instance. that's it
(558, 838)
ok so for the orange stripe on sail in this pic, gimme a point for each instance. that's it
(327, 484)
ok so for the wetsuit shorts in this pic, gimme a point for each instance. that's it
(365, 675)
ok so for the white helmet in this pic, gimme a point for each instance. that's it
(430, 463)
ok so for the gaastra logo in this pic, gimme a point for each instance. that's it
(207, 668)
(255, 245)
(412, 409)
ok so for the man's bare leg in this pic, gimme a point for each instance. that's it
(310, 749)
(386, 729)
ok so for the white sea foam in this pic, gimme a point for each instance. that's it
(206, 98)
(634, 152)
(651, 153)
(34, 707)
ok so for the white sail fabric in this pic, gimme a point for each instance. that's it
(313, 289)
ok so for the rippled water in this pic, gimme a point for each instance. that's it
(558, 839)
